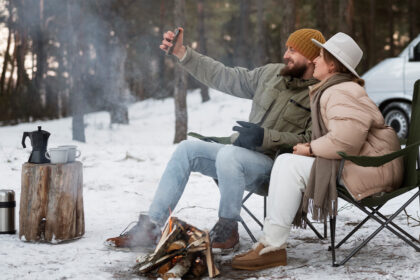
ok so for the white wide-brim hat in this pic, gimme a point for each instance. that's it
(345, 49)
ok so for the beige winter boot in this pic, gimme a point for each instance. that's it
(258, 258)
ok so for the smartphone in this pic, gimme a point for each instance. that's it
(171, 49)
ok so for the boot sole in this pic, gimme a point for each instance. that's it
(243, 267)
(128, 249)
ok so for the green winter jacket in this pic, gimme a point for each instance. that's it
(280, 104)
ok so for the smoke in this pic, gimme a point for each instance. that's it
(82, 56)
(97, 33)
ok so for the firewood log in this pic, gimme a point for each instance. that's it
(164, 268)
(150, 265)
(176, 245)
(211, 267)
(180, 268)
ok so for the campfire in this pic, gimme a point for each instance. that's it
(182, 250)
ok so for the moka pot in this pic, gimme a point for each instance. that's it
(39, 142)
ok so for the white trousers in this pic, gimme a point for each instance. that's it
(289, 178)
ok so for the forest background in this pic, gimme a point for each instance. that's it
(61, 58)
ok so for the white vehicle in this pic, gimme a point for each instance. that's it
(390, 85)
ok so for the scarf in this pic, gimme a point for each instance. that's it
(320, 196)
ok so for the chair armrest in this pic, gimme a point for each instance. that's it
(221, 140)
(379, 160)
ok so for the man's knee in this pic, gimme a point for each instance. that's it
(229, 156)
(187, 146)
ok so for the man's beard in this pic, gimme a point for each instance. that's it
(296, 72)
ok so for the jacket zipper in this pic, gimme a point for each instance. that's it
(300, 105)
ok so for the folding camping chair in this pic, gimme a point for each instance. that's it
(371, 205)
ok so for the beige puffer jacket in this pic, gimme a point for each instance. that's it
(356, 126)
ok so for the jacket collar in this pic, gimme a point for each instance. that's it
(297, 83)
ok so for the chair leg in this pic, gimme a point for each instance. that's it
(246, 197)
(332, 234)
(397, 227)
(325, 229)
(384, 224)
(265, 206)
(357, 227)
(252, 216)
(312, 227)
(248, 231)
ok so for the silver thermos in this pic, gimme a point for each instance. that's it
(7, 212)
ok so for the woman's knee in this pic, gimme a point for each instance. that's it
(283, 162)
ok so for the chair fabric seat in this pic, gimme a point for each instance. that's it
(373, 200)
(263, 190)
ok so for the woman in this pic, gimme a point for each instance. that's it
(343, 119)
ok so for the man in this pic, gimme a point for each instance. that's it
(279, 119)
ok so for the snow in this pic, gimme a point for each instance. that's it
(122, 167)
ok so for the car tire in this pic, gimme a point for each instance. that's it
(397, 115)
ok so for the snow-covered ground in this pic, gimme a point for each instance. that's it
(122, 167)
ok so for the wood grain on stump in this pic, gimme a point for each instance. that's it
(51, 202)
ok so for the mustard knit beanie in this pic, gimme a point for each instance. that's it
(300, 40)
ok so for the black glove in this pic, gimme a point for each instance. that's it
(250, 135)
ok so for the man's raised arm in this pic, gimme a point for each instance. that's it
(236, 81)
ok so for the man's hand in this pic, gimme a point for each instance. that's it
(302, 149)
(250, 136)
(179, 49)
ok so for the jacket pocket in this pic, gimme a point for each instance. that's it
(296, 114)
(262, 105)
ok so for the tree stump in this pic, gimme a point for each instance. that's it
(51, 202)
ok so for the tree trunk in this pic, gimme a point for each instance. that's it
(346, 16)
(39, 43)
(243, 42)
(76, 95)
(161, 58)
(260, 47)
(413, 18)
(391, 28)
(6, 56)
(118, 109)
(51, 202)
(367, 33)
(10, 85)
(180, 91)
(324, 19)
(202, 46)
(21, 47)
(372, 41)
(288, 22)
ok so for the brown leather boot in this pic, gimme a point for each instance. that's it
(145, 234)
(252, 260)
(224, 236)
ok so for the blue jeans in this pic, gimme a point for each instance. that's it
(236, 169)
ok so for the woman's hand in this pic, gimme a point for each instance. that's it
(302, 149)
